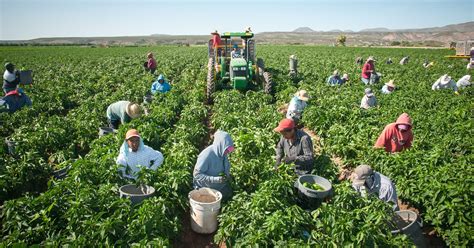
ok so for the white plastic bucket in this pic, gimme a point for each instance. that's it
(136, 193)
(205, 206)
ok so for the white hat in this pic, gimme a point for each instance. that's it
(335, 73)
(370, 58)
(302, 95)
(133, 110)
(248, 30)
(215, 32)
(445, 79)
(345, 76)
(390, 83)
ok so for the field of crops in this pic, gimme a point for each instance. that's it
(74, 85)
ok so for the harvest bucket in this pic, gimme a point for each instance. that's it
(309, 197)
(205, 205)
(407, 222)
(136, 193)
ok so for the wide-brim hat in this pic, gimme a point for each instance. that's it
(370, 58)
(362, 172)
(445, 79)
(215, 32)
(390, 83)
(302, 95)
(133, 110)
(335, 73)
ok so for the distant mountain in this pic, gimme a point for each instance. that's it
(375, 30)
(303, 30)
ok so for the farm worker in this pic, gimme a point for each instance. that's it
(150, 65)
(368, 100)
(389, 61)
(122, 112)
(14, 100)
(134, 155)
(248, 30)
(11, 78)
(369, 76)
(404, 60)
(470, 65)
(235, 52)
(388, 87)
(212, 168)
(427, 64)
(396, 136)
(216, 39)
(295, 146)
(335, 79)
(366, 180)
(445, 82)
(359, 60)
(464, 82)
(297, 105)
(160, 85)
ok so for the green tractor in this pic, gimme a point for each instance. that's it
(239, 69)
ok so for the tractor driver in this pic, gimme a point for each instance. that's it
(235, 52)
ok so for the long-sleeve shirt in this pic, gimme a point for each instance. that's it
(14, 101)
(335, 80)
(367, 69)
(463, 82)
(384, 188)
(438, 86)
(216, 40)
(295, 108)
(132, 162)
(368, 102)
(385, 90)
(151, 63)
(118, 111)
(213, 164)
(392, 139)
(300, 151)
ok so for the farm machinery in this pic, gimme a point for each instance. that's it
(241, 72)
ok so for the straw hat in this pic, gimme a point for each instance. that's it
(335, 73)
(133, 110)
(345, 76)
(302, 95)
(215, 32)
(149, 55)
(390, 83)
(248, 30)
(370, 58)
(445, 79)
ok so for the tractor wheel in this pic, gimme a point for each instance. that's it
(260, 66)
(268, 83)
(211, 83)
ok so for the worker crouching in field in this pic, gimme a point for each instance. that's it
(134, 155)
(335, 79)
(11, 78)
(369, 75)
(212, 168)
(464, 82)
(295, 146)
(160, 85)
(297, 105)
(367, 181)
(14, 100)
(388, 87)
(150, 65)
(396, 136)
(404, 60)
(122, 112)
(368, 100)
(445, 82)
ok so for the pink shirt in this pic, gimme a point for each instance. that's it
(367, 67)
(151, 63)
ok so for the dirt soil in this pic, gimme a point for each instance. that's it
(191, 239)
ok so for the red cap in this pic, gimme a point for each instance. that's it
(285, 124)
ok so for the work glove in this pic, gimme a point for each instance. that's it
(289, 160)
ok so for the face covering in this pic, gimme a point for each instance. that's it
(229, 150)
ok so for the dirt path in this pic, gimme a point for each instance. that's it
(188, 238)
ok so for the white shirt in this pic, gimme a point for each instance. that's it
(368, 102)
(463, 82)
(438, 86)
(295, 108)
(144, 157)
(10, 77)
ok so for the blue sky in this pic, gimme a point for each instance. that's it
(28, 19)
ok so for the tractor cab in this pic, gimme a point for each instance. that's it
(238, 71)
